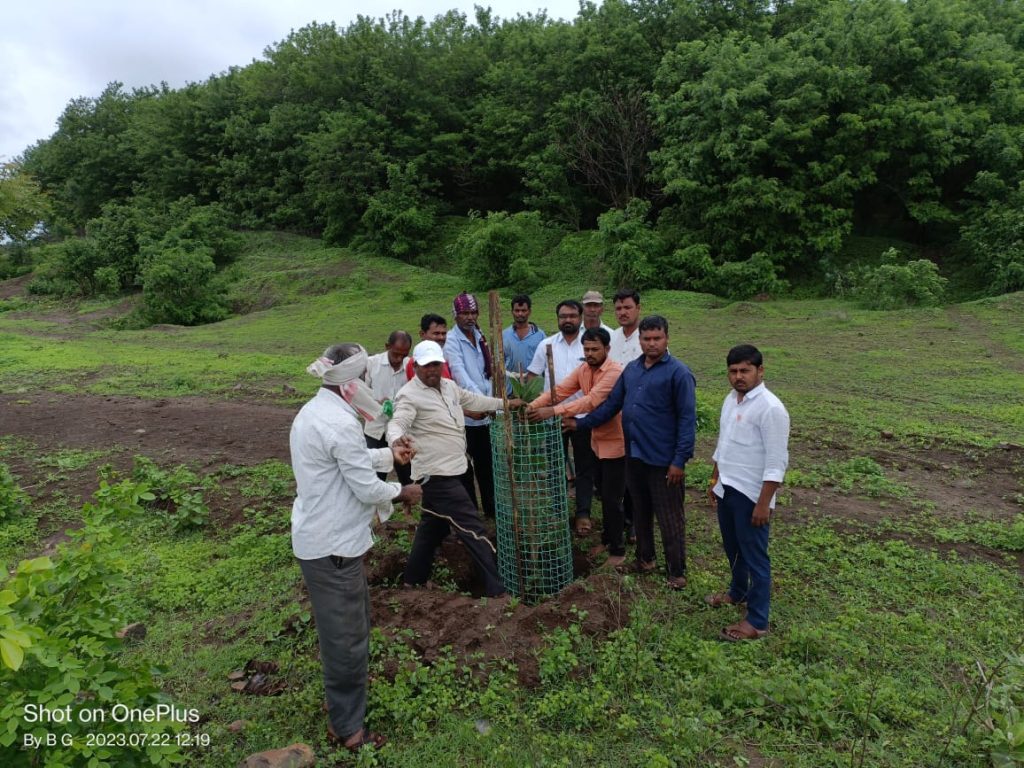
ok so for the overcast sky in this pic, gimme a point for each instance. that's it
(52, 51)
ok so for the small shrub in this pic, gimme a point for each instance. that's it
(13, 500)
(178, 287)
(178, 491)
(400, 219)
(897, 286)
(504, 249)
(743, 279)
(632, 250)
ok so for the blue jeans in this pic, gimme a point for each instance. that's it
(746, 546)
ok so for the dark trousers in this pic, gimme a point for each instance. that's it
(612, 483)
(653, 497)
(478, 446)
(746, 546)
(583, 460)
(402, 471)
(341, 605)
(447, 496)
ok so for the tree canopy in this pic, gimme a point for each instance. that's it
(749, 129)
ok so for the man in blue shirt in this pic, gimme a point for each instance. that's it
(469, 359)
(520, 339)
(657, 397)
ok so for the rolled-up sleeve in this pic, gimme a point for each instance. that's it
(775, 434)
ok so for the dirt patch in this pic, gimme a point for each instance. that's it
(175, 430)
(15, 286)
(494, 629)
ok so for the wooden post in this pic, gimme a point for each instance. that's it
(500, 390)
(551, 374)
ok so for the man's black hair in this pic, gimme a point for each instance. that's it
(597, 334)
(745, 353)
(338, 352)
(400, 335)
(626, 293)
(654, 323)
(570, 303)
(430, 319)
(522, 298)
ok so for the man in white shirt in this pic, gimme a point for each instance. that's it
(567, 354)
(338, 496)
(626, 338)
(625, 348)
(749, 466)
(385, 375)
(429, 410)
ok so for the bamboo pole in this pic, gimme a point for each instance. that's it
(498, 379)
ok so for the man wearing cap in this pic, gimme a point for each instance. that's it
(385, 375)
(429, 410)
(469, 359)
(338, 496)
(593, 306)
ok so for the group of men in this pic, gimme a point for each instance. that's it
(628, 412)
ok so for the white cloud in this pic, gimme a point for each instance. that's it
(52, 51)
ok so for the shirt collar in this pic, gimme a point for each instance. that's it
(754, 393)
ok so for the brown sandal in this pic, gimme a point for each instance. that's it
(366, 738)
(676, 582)
(718, 599)
(583, 526)
(637, 566)
(743, 630)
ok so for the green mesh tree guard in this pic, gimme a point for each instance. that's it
(532, 508)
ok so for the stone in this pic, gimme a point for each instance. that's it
(295, 756)
(237, 726)
(133, 632)
(887, 435)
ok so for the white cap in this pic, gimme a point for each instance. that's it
(427, 352)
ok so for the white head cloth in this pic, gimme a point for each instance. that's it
(346, 376)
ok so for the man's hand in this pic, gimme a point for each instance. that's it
(569, 424)
(403, 449)
(540, 413)
(515, 402)
(761, 515)
(675, 476)
(411, 494)
(712, 499)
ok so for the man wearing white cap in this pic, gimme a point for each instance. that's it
(338, 497)
(429, 409)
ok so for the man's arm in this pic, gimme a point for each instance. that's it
(597, 395)
(684, 394)
(569, 386)
(539, 364)
(356, 466)
(775, 439)
(473, 401)
(402, 420)
(607, 410)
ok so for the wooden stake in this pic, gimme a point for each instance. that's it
(498, 379)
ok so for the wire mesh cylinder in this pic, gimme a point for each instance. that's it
(532, 507)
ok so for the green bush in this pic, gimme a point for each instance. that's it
(400, 219)
(59, 650)
(13, 500)
(631, 249)
(177, 491)
(178, 286)
(896, 286)
(504, 249)
(743, 279)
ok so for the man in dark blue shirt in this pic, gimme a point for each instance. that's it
(657, 397)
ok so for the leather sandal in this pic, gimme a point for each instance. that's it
(718, 599)
(583, 526)
(366, 737)
(637, 566)
(743, 630)
(676, 582)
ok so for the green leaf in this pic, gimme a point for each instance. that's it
(36, 565)
(18, 637)
(7, 597)
(11, 654)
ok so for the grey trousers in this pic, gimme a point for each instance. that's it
(341, 606)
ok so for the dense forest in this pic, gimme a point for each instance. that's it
(731, 146)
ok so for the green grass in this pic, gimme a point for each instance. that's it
(879, 629)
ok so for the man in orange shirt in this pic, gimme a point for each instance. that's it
(595, 378)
